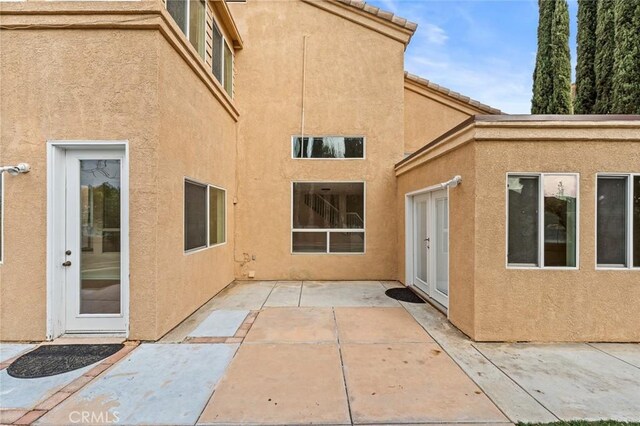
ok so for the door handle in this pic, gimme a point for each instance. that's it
(428, 241)
(67, 263)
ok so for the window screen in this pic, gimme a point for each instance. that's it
(612, 221)
(523, 220)
(195, 215)
(216, 60)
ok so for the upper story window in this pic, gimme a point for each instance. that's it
(222, 60)
(542, 220)
(618, 221)
(190, 17)
(328, 147)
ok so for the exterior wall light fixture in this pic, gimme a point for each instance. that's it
(452, 183)
(16, 170)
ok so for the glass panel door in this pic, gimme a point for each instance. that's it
(421, 240)
(442, 245)
(94, 250)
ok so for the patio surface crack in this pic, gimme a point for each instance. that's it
(344, 377)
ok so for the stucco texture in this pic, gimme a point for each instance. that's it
(490, 302)
(107, 83)
(354, 86)
(460, 161)
(551, 305)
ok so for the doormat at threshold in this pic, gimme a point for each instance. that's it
(49, 360)
(403, 294)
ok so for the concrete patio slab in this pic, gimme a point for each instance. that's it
(378, 325)
(249, 295)
(155, 384)
(285, 293)
(345, 293)
(293, 325)
(627, 352)
(281, 384)
(574, 381)
(411, 383)
(514, 402)
(223, 323)
(12, 350)
(27, 393)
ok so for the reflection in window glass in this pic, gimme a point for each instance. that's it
(636, 221)
(216, 216)
(612, 221)
(196, 25)
(195, 215)
(346, 242)
(178, 10)
(328, 147)
(560, 206)
(523, 220)
(309, 242)
(228, 70)
(330, 206)
(216, 60)
(100, 262)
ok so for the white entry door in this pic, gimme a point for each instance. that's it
(431, 245)
(95, 242)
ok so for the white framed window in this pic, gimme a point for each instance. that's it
(190, 15)
(222, 60)
(543, 220)
(205, 215)
(617, 221)
(328, 147)
(328, 217)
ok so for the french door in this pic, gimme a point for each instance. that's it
(431, 245)
(93, 254)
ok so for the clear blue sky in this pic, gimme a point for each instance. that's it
(484, 49)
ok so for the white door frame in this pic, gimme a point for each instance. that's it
(56, 205)
(410, 233)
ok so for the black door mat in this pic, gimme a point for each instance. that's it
(403, 294)
(49, 360)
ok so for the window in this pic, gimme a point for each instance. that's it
(204, 215)
(618, 221)
(190, 17)
(328, 217)
(222, 61)
(542, 226)
(216, 57)
(328, 147)
(228, 70)
(217, 219)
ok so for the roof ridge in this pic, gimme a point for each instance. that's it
(452, 94)
(380, 13)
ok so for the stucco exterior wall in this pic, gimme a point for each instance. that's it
(354, 86)
(460, 161)
(542, 304)
(49, 92)
(197, 139)
(428, 115)
(139, 81)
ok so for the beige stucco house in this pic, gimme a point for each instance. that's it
(175, 146)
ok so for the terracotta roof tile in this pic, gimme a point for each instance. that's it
(382, 14)
(455, 95)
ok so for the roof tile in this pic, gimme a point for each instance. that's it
(382, 14)
(455, 95)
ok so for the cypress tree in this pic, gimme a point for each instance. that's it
(605, 45)
(542, 75)
(560, 60)
(626, 68)
(585, 99)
